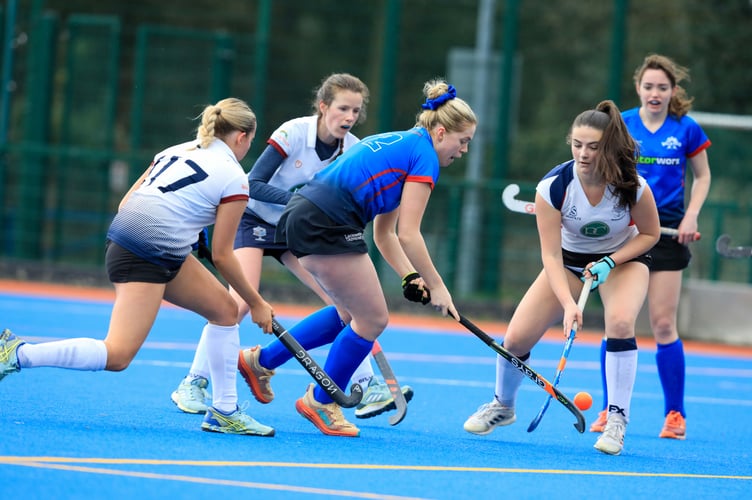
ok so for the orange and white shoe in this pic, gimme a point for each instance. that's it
(600, 422)
(256, 376)
(327, 418)
(675, 427)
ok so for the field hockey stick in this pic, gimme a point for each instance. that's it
(723, 247)
(509, 197)
(527, 371)
(306, 361)
(314, 369)
(391, 381)
(565, 354)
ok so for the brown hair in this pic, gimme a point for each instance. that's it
(680, 103)
(617, 161)
(337, 82)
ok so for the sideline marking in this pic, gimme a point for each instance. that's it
(41, 461)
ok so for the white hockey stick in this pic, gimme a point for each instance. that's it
(509, 197)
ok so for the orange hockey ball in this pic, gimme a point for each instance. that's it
(583, 400)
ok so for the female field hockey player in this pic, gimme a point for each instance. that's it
(388, 179)
(148, 258)
(596, 218)
(296, 151)
(669, 141)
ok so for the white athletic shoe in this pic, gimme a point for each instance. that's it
(488, 417)
(612, 438)
(191, 395)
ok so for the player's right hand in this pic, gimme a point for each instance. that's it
(262, 314)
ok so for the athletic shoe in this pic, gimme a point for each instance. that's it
(256, 376)
(612, 438)
(236, 422)
(327, 418)
(488, 417)
(675, 426)
(191, 395)
(600, 422)
(378, 399)
(9, 345)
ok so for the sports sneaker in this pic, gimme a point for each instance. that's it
(256, 376)
(191, 395)
(488, 417)
(236, 422)
(9, 345)
(675, 427)
(327, 418)
(378, 399)
(600, 422)
(612, 438)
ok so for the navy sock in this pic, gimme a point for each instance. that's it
(315, 330)
(347, 352)
(671, 370)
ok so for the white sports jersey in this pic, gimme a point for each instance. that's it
(295, 140)
(178, 198)
(603, 228)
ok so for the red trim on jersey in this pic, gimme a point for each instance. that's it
(421, 178)
(705, 145)
(276, 146)
(235, 197)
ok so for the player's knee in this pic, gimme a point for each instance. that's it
(227, 313)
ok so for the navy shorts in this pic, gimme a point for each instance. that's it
(309, 231)
(124, 266)
(255, 232)
(670, 255)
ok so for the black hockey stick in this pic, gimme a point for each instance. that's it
(307, 362)
(564, 355)
(400, 402)
(722, 246)
(318, 373)
(527, 371)
(509, 197)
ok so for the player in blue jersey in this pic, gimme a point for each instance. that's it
(296, 150)
(148, 258)
(596, 218)
(388, 179)
(669, 141)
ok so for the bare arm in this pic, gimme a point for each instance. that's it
(698, 194)
(223, 238)
(135, 186)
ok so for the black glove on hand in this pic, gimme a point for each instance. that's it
(202, 245)
(412, 291)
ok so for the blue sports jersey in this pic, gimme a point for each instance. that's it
(663, 159)
(367, 180)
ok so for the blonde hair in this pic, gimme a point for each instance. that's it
(680, 103)
(442, 107)
(220, 119)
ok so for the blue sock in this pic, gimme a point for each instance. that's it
(603, 373)
(315, 330)
(347, 352)
(670, 361)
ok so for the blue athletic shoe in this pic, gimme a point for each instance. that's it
(9, 345)
(236, 422)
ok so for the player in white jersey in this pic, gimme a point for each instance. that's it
(596, 218)
(148, 259)
(296, 150)
(671, 143)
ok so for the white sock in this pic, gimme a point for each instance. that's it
(363, 374)
(621, 370)
(222, 346)
(508, 380)
(200, 365)
(73, 354)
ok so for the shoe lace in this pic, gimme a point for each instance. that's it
(674, 419)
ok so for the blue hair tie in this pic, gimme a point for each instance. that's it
(433, 104)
